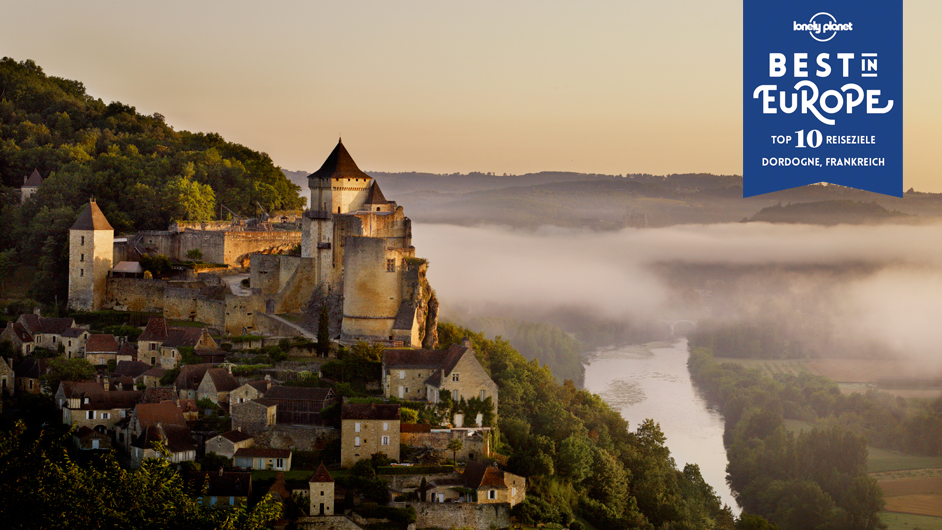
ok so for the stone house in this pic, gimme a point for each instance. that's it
(177, 440)
(188, 381)
(68, 389)
(300, 405)
(321, 486)
(74, 339)
(226, 444)
(221, 488)
(493, 485)
(249, 391)
(151, 378)
(263, 459)
(31, 185)
(422, 375)
(7, 379)
(19, 337)
(46, 332)
(367, 429)
(101, 348)
(29, 373)
(216, 385)
(146, 415)
(161, 344)
(254, 416)
(87, 439)
(99, 410)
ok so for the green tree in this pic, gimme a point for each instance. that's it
(189, 200)
(574, 458)
(67, 370)
(455, 445)
(365, 351)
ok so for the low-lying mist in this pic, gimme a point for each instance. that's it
(862, 291)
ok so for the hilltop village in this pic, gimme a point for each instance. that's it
(247, 364)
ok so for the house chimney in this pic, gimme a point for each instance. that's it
(466, 342)
(220, 472)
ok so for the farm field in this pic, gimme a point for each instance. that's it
(920, 496)
(905, 521)
(770, 367)
(885, 463)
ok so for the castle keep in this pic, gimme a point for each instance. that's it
(357, 260)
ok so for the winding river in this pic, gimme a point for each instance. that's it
(651, 381)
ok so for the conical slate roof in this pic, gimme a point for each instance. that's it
(34, 180)
(91, 218)
(339, 165)
(375, 195)
(321, 475)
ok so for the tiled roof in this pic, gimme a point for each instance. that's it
(264, 402)
(55, 326)
(34, 181)
(91, 218)
(480, 474)
(152, 413)
(191, 375)
(236, 436)
(156, 331)
(262, 452)
(71, 389)
(21, 332)
(130, 368)
(84, 432)
(127, 349)
(31, 321)
(31, 368)
(155, 371)
(339, 164)
(101, 343)
(321, 475)
(126, 382)
(298, 393)
(73, 333)
(224, 484)
(158, 394)
(189, 405)
(375, 195)
(261, 386)
(405, 317)
(415, 427)
(177, 438)
(115, 399)
(222, 379)
(432, 359)
(369, 411)
(183, 337)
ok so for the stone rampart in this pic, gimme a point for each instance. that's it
(459, 515)
(298, 437)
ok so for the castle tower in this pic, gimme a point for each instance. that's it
(91, 252)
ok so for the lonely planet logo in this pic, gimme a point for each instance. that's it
(822, 27)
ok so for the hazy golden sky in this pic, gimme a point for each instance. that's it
(515, 87)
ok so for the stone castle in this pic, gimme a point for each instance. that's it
(357, 259)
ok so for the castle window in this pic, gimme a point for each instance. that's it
(454, 377)
(391, 265)
(81, 273)
(83, 241)
(81, 257)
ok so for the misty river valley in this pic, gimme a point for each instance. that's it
(651, 381)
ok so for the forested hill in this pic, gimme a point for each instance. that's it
(141, 172)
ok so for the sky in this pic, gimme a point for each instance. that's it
(505, 87)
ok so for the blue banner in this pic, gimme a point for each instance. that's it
(822, 95)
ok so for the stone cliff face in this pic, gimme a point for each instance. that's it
(430, 335)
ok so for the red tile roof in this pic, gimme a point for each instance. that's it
(55, 326)
(156, 331)
(158, 394)
(130, 368)
(222, 379)
(236, 436)
(152, 413)
(321, 475)
(115, 399)
(101, 343)
(183, 337)
(191, 375)
(480, 474)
